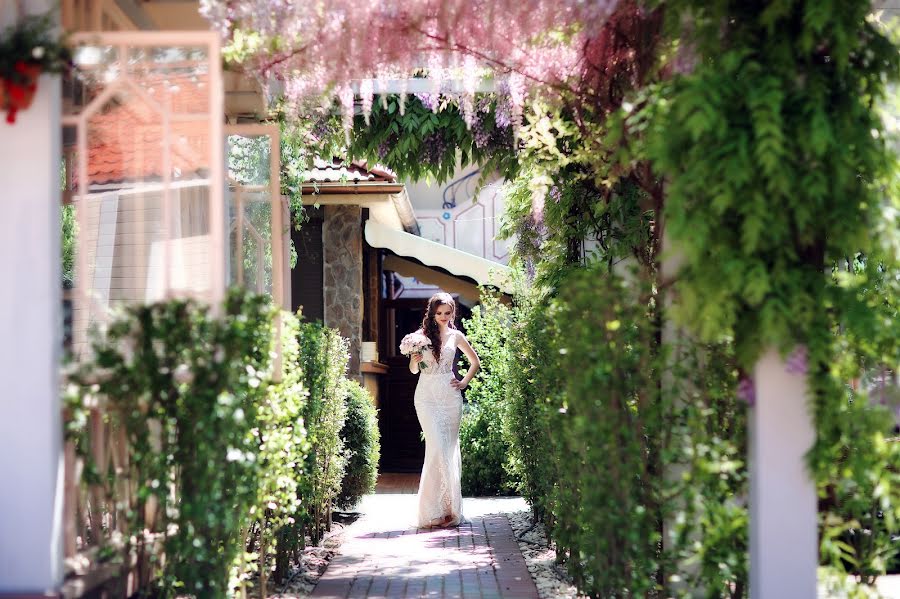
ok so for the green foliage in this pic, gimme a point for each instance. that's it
(595, 438)
(705, 447)
(857, 465)
(608, 428)
(234, 465)
(778, 165)
(532, 390)
(303, 140)
(859, 501)
(362, 444)
(33, 40)
(782, 199)
(69, 232)
(485, 449)
(283, 451)
(323, 358)
(185, 387)
(571, 218)
(425, 144)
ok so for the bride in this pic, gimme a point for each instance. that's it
(438, 404)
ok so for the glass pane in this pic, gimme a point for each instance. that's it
(96, 68)
(177, 77)
(146, 227)
(250, 212)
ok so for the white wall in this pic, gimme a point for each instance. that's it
(472, 226)
(31, 465)
(428, 196)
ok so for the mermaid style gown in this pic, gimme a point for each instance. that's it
(439, 409)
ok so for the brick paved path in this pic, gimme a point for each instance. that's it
(480, 559)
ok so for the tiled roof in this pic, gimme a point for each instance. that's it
(336, 171)
(125, 138)
(125, 141)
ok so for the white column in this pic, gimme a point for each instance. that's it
(31, 464)
(783, 529)
(671, 261)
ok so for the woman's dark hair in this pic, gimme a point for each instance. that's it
(429, 324)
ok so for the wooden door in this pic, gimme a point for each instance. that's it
(402, 449)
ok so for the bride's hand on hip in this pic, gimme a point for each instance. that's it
(458, 385)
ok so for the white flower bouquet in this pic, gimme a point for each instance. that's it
(415, 343)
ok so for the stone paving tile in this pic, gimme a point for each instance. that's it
(478, 560)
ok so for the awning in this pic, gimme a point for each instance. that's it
(451, 261)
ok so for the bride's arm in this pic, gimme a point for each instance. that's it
(414, 360)
(474, 362)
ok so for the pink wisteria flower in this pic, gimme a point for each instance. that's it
(325, 48)
(415, 344)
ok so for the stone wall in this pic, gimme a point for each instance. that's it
(342, 241)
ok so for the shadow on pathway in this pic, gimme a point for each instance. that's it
(385, 555)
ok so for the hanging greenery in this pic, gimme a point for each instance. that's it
(430, 139)
(782, 198)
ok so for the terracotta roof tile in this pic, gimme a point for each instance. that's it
(336, 171)
(125, 137)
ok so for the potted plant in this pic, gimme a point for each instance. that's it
(28, 48)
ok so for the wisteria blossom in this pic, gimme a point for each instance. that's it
(797, 362)
(325, 47)
(746, 391)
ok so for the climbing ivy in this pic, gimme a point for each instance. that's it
(778, 164)
(782, 200)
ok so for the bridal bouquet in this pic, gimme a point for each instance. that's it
(415, 343)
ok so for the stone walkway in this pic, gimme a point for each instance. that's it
(382, 556)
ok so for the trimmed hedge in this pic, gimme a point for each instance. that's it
(324, 356)
(362, 444)
(595, 437)
(185, 387)
(485, 449)
(239, 467)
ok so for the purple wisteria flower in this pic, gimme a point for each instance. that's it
(530, 270)
(385, 147)
(320, 129)
(429, 101)
(746, 391)
(434, 147)
(798, 361)
(481, 135)
(556, 194)
(503, 111)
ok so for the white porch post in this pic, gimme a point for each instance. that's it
(783, 529)
(31, 464)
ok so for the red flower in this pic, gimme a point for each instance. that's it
(16, 92)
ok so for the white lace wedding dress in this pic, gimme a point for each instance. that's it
(439, 408)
